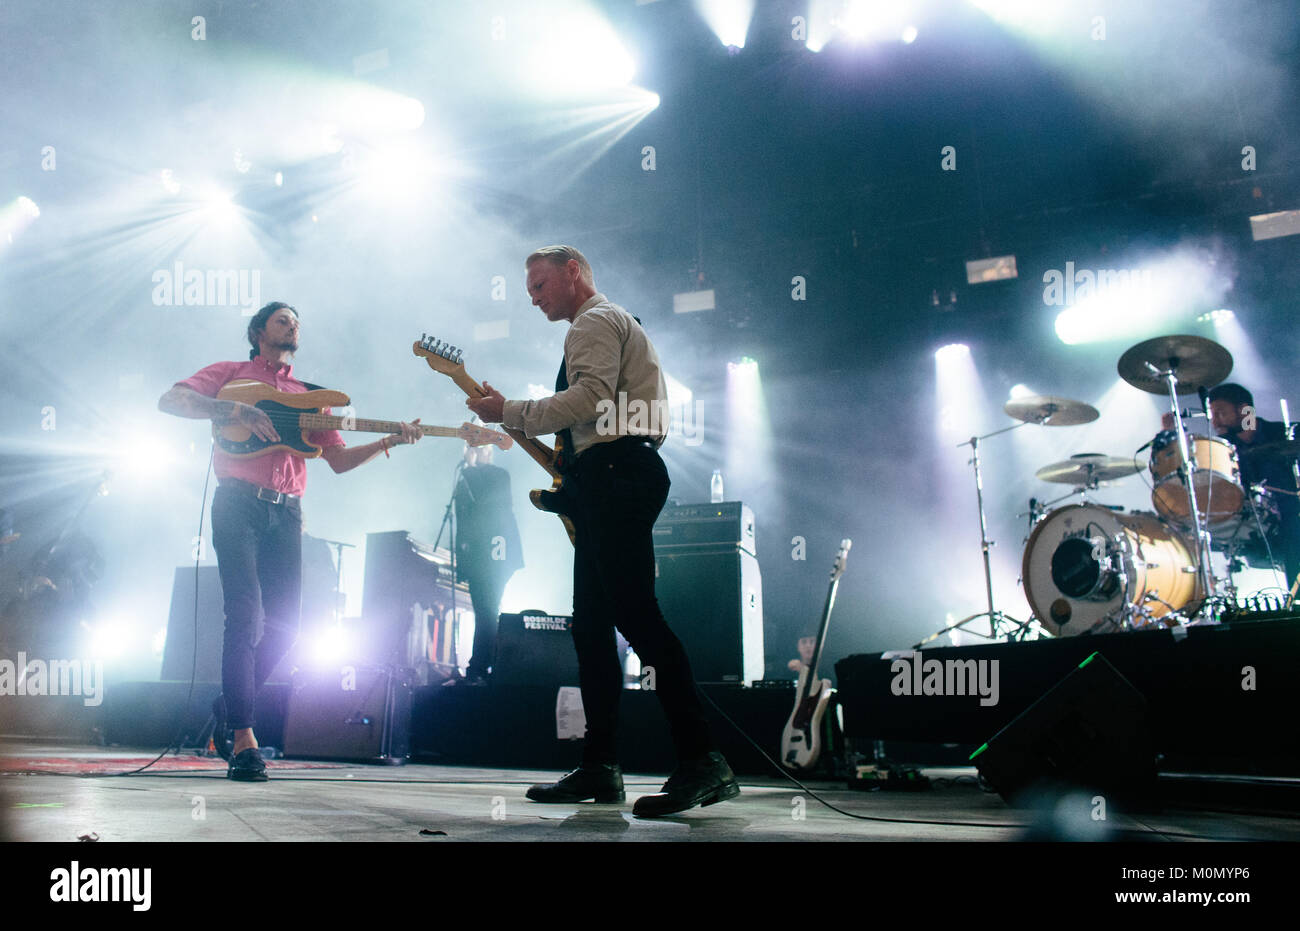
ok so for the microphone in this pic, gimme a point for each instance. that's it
(1205, 398)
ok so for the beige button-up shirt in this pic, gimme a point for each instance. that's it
(616, 387)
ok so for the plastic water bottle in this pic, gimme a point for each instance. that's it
(715, 487)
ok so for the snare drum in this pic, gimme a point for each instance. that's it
(1090, 569)
(1219, 494)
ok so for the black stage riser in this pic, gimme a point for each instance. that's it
(514, 726)
(1201, 716)
(148, 714)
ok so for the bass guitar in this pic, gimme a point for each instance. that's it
(445, 358)
(801, 741)
(296, 415)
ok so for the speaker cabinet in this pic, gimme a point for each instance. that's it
(359, 712)
(712, 598)
(178, 648)
(1089, 731)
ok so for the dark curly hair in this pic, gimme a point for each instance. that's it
(257, 325)
(1233, 394)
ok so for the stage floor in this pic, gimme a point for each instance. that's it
(340, 802)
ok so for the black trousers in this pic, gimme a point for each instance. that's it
(485, 590)
(259, 559)
(620, 489)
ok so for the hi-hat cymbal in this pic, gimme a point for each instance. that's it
(1087, 468)
(1197, 363)
(1049, 411)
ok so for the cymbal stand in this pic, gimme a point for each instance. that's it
(1187, 470)
(999, 623)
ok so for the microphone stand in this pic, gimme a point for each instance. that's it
(338, 576)
(449, 522)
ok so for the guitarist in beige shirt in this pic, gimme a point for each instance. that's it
(610, 410)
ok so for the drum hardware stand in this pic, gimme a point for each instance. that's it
(1187, 472)
(999, 623)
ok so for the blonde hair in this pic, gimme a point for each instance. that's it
(560, 256)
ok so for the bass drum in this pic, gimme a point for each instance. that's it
(1090, 569)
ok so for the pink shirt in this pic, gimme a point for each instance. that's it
(278, 471)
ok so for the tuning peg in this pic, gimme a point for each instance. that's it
(458, 355)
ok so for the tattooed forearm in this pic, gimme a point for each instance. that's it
(185, 402)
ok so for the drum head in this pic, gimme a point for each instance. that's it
(1062, 579)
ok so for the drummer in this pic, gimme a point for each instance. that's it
(1232, 412)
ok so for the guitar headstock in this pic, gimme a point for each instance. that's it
(442, 357)
(475, 435)
(841, 558)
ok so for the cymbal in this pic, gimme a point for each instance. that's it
(1197, 363)
(1087, 468)
(1050, 411)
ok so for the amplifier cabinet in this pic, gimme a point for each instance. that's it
(351, 712)
(712, 598)
(697, 525)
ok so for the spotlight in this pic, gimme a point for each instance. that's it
(1022, 391)
(394, 174)
(1216, 316)
(580, 54)
(729, 20)
(106, 639)
(951, 352)
(331, 645)
(909, 35)
(220, 207)
(279, 179)
(17, 215)
(145, 457)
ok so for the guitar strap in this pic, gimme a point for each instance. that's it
(563, 461)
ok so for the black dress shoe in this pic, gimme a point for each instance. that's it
(247, 766)
(604, 783)
(703, 781)
(223, 739)
(462, 681)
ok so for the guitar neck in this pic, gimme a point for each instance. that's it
(821, 634)
(359, 425)
(542, 454)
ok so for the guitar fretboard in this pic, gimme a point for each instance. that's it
(361, 425)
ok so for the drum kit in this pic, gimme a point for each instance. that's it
(1094, 568)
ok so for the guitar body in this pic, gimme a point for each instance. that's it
(801, 741)
(557, 499)
(282, 407)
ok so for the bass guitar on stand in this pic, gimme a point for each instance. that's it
(801, 741)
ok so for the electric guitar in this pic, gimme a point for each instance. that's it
(801, 741)
(445, 358)
(296, 415)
